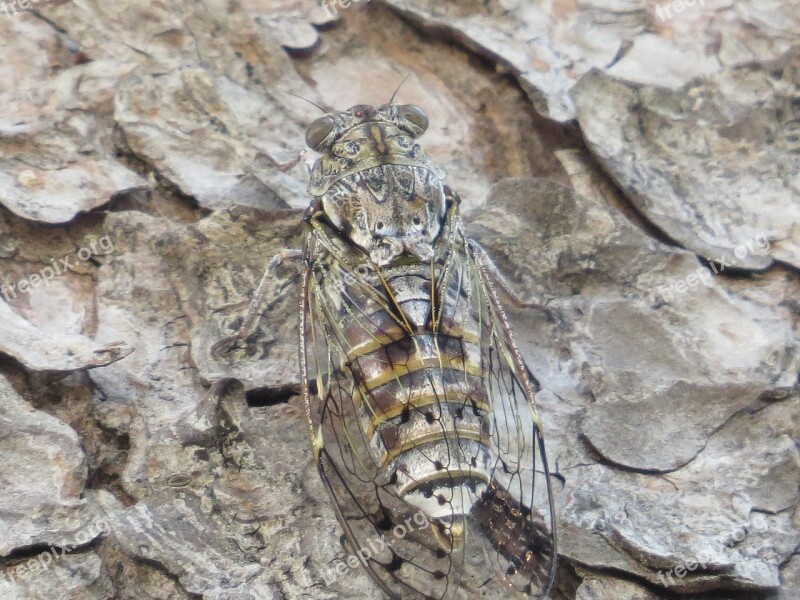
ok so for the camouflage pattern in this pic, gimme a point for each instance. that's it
(422, 403)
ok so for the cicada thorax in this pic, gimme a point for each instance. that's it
(388, 211)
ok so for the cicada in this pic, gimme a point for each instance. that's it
(419, 406)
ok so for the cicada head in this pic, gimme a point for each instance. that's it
(323, 133)
(364, 137)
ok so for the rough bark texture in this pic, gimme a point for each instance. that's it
(147, 177)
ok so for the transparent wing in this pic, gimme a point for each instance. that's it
(510, 530)
(401, 550)
(516, 513)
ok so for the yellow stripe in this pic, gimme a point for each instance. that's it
(417, 364)
(378, 341)
(385, 338)
(376, 134)
(430, 437)
(452, 397)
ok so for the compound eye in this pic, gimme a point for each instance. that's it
(318, 131)
(414, 114)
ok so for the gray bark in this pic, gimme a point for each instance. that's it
(148, 174)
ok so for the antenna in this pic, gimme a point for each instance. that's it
(398, 88)
(307, 100)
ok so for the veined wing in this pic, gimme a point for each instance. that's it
(516, 514)
(491, 483)
(348, 312)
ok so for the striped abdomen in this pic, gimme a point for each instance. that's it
(419, 390)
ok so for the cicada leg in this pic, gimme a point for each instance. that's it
(487, 264)
(225, 345)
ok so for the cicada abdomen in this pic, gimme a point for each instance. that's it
(422, 422)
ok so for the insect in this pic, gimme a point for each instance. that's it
(419, 407)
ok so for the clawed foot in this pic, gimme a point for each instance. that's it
(225, 345)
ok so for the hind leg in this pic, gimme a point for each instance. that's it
(225, 345)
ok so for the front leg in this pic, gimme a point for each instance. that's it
(227, 344)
